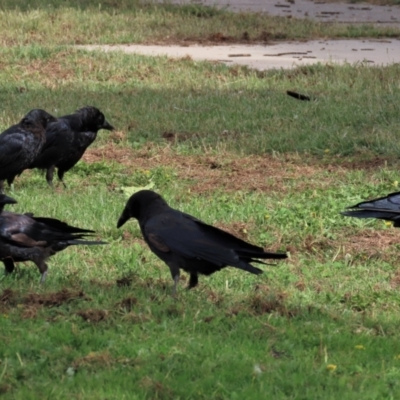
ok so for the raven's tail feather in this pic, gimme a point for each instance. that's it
(248, 255)
(249, 268)
(388, 215)
(86, 242)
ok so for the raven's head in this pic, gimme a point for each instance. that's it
(93, 119)
(37, 118)
(141, 205)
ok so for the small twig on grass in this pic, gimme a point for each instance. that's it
(4, 369)
(20, 359)
(192, 111)
(270, 327)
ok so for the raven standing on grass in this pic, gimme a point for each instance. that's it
(24, 237)
(21, 143)
(184, 242)
(67, 140)
(387, 208)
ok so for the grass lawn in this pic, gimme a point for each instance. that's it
(229, 146)
(131, 21)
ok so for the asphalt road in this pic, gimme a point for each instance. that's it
(324, 11)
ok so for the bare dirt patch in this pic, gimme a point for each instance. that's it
(7, 299)
(127, 304)
(53, 299)
(263, 301)
(238, 229)
(94, 359)
(266, 302)
(30, 304)
(7, 296)
(128, 239)
(93, 315)
(372, 242)
(124, 281)
(368, 162)
(98, 359)
(228, 172)
(158, 390)
(313, 244)
(33, 302)
(49, 72)
(4, 389)
(395, 281)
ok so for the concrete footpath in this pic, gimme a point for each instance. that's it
(280, 55)
(291, 54)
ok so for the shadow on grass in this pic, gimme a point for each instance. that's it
(260, 121)
(113, 6)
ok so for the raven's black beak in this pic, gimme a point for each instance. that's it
(7, 200)
(107, 125)
(122, 219)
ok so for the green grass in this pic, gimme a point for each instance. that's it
(243, 156)
(236, 335)
(86, 22)
(354, 109)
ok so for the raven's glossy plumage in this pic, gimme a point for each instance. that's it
(21, 143)
(24, 237)
(67, 140)
(5, 200)
(184, 242)
(386, 208)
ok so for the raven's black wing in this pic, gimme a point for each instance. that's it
(184, 235)
(390, 202)
(24, 230)
(59, 138)
(226, 239)
(386, 208)
(11, 148)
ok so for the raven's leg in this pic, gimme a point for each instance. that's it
(193, 281)
(9, 265)
(43, 278)
(2, 187)
(175, 273)
(49, 175)
(10, 181)
(176, 281)
(60, 174)
(42, 268)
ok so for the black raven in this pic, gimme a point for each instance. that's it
(21, 143)
(24, 237)
(387, 208)
(67, 140)
(184, 242)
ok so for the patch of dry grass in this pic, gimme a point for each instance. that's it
(67, 24)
